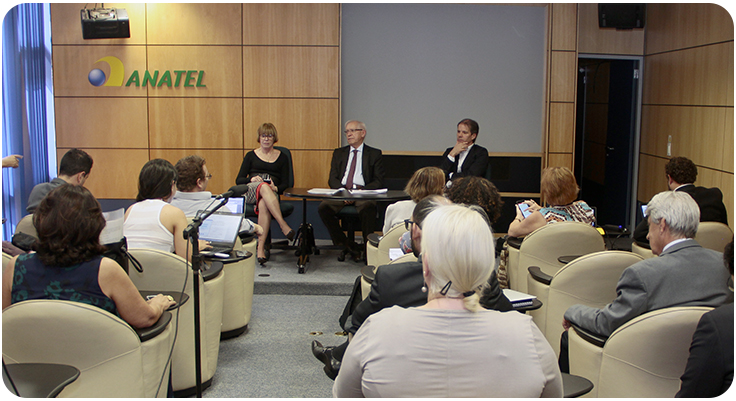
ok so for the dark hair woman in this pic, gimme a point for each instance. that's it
(69, 265)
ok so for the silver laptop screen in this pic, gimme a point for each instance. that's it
(220, 227)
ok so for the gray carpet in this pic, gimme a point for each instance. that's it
(273, 358)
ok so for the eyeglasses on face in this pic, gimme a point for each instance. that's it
(208, 176)
(408, 223)
(350, 131)
(266, 135)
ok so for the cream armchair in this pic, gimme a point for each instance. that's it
(713, 235)
(377, 252)
(643, 358)
(544, 245)
(165, 271)
(588, 280)
(113, 359)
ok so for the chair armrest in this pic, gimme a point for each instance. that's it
(567, 258)
(539, 275)
(373, 239)
(514, 242)
(213, 271)
(368, 273)
(148, 333)
(594, 339)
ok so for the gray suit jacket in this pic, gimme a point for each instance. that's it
(686, 274)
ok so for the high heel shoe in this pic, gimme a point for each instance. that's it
(290, 235)
(262, 261)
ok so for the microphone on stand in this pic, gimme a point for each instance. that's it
(225, 195)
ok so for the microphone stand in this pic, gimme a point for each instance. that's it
(192, 233)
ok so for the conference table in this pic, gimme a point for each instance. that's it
(305, 235)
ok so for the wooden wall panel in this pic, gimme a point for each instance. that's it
(592, 39)
(222, 164)
(66, 26)
(698, 76)
(114, 173)
(194, 24)
(287, 71)
(696, 133)
(563, 76)
(564, 26)
(72, 65)
(208, 123)
(679, 26)
(101, 123)
(560, 160)
(311, 168)
(652, 178)
(561, 127)
(221, 66)
(728, 143)
(291, 24)
(301, 123)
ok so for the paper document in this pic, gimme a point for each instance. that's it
(395, 253)
(113, 231)
(324, 191)
(516, 296)
(368, 191)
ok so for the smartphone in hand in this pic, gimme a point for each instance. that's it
(524, 208)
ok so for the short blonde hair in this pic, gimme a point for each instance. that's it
(424, 182)
(558, 186)
(458, 246)
(267, 128)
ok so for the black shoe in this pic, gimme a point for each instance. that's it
(290, 235)
(343, 254)
(262, 261)
(324, 354)
(332, 370)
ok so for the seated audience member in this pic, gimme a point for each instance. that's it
(465, 158)
(192, 195)
(68, 263)
(560, 189)
(424, 182)
(401, 284)
(152, 222)
(681, 174)
(684, 274)
(355, 166)
(74, 169)
(435, 350)
(264, 173)
(709, 370)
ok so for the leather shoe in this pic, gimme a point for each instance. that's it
(343, 254)
(262, 261)
(324, 354)
(332, 370)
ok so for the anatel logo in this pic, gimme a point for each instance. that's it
(117, 76)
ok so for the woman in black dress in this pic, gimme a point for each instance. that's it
(265, 170)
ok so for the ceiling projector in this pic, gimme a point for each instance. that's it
(105, 23)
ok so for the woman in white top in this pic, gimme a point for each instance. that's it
(151, 222)
(450, 347)
(424, 182)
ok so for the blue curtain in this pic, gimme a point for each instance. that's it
(27, 110)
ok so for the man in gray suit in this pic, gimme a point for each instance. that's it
(684, 274)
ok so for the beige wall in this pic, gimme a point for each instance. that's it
(276, 63)
(688, 95)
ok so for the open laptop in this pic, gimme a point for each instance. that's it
(236, 204)
(221, 230)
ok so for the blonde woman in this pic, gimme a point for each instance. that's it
(424, 182)
(450, 347)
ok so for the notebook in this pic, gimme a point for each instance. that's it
(236, 204)
(221, 230)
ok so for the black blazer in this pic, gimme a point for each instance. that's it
(372, 167)
(709, 369)
(710, 201)
(401, 284)
(475, 163)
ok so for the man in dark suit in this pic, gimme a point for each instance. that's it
(465, 158)
(709, 369)
(401, 284)
(356, 166)
(681, 174)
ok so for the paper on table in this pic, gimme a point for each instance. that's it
(395, 253)
(324, 191)
(113, 231)
(516, 296)
(368, 191)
